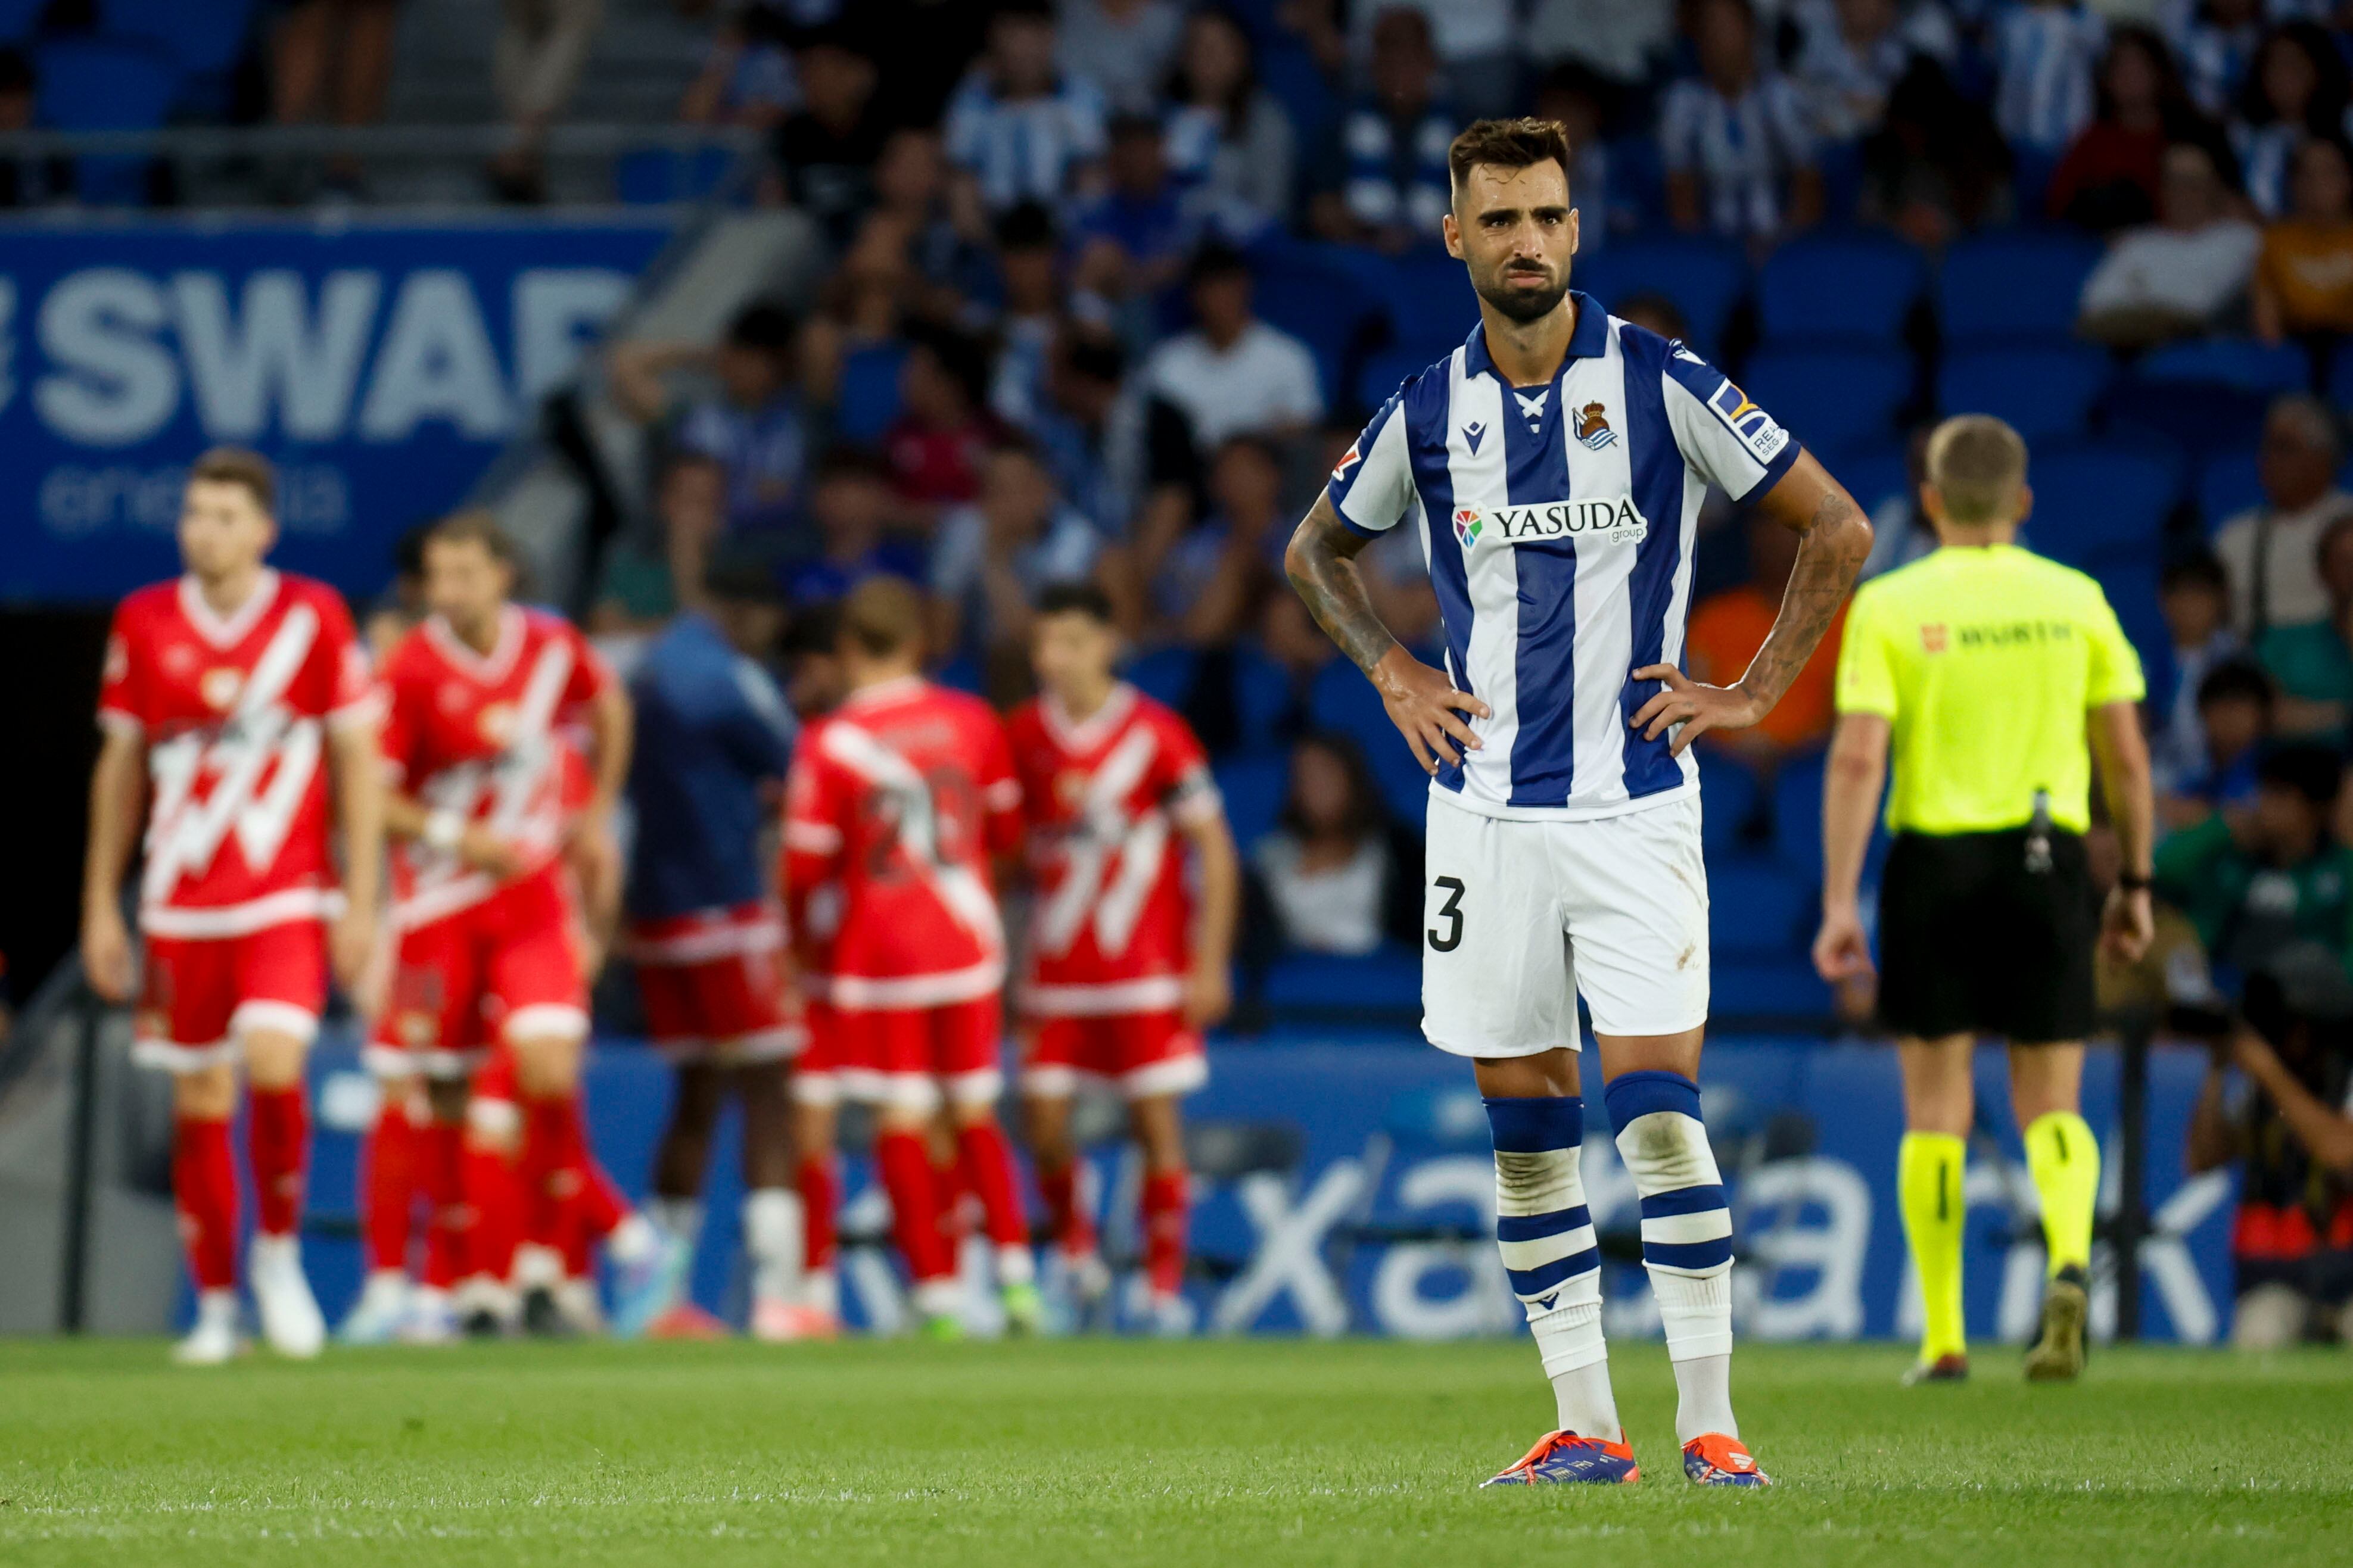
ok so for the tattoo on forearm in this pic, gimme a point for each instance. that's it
(1829, 553)
(1321, 565)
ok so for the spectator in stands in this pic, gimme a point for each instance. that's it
(1088, 428)
(26, 182)
(2194, 596)
(2292, 1138)
(542, 46)
(747, 79)
(1123, 47)
(1029, 276)
(912, 198)
(1020, 128)
(754, 428)
(851, 506)
(2296, 88)
(1728, 628)
(938, 445)
(1622, 41)
(1380, 178)
(1472, 41)
(993, 555)
(2178, 277)
(1228, 141)
(2113, 173)
(2271, 550)
(1579, 99)
(1289, 636)
(1855, 51)
(2253, 882)
(2304, 279)
(826, 148)
(1232, 374)
(1336, 874)
(2313, 663)
(2043, 52)
(1648, 308)
(1740, 150)
(1133, 239)
(336, 56)
(2236, 700)
(1937, 165)
(2216, 41)
(1207, 584)
(638, 581)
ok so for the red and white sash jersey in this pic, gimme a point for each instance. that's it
(235, 710)
(1105, 798)
(900, 795)
(485, 736)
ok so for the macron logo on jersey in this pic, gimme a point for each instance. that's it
(1611, 519)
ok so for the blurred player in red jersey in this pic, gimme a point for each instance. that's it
(235, 691)
(900, 796)
(481, 695)
(1125, 969)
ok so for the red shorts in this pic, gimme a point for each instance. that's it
(200, 994)
(712, 986)
(1140, 1054)
(911, 1057)
(816, 1071)
(506, 966)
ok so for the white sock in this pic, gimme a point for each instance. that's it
(1697, 1316)
(217, 1307)
(1015, 1266)
(1576, 1359)
(821, 1293)
(772, 1237)
(680, 1218)
(633, 1240)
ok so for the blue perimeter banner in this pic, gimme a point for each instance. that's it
(1360, 1172)
(381, 365)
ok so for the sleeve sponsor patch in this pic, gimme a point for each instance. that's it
(1757, 429)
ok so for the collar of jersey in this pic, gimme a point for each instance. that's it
(1590, 341)
(882, 691)
(228, 631)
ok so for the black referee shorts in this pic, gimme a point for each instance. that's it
(1970, 941)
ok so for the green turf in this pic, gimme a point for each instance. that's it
(1140, 1453)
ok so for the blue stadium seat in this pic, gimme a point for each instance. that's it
(1705, 276)
(2018, 284)
(1166, 674)
(2046, 390)
(205, 36)
(655, 176)
(1385, 372)
(2240, 364)
(1756, 908)
(1798, 816)
(867, 398)
(1262, 697)
(1342, 700)
(1782, 988)
(1385, 980)
(2100, 502)
(1322, 305)
(1854, 288)
(1430, 304)
(2131, 588)
(1875, 476)
(2227, 486)
(103, 84)
(1291, 75)
(18, 17)
(1727, 800)
(961, 673)
(1832, 398)
(1253, 785)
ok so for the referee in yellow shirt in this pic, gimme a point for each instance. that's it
(1993, 675)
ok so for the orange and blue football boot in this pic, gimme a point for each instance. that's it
(1566, 1459)
(1713, 1459)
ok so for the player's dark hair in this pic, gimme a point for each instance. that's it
(1364, 818)
(2313, 772)
(2196, 568)
(237, 466)
(2237, 679)
(1507, 144)
(1076, 597)
(762, 327)
(476, 526)
(881, 617)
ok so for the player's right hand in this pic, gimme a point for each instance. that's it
(1426, 708)
(1841, 948)
(486, 851)
(106, 952)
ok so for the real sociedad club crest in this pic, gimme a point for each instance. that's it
(1593, 426)
(1467, 525)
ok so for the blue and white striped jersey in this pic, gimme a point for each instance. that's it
(1558, 524)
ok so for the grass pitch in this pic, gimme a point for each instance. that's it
(1139, 1453)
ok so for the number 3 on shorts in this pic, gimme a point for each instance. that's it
(1450, 911)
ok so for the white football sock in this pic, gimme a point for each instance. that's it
(773, 1239)
(1697, 1315)
(680, 1218)
(1576, 1359)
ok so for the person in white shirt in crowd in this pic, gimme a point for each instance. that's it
(1232, 374)
(2044, 53)
(1336, 874)
(1229, 144)
(1620, 40)
(2177, 277)
(1123, 47)
(1380, 178)
(2195, 595)
(1855, 51)
(1738, 147)
(1474, 43)
(2295, 87)
(1019, 128)
(2270, 551)
(991, 557)
(2216, 41)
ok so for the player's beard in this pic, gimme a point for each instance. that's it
(1518, 303)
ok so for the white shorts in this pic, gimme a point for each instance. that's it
(1521, 917)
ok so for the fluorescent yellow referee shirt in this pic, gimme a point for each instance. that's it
(1985, 661)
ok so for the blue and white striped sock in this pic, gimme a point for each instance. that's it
(1545, 1236)
(1686, 1238)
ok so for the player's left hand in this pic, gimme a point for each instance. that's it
(351, 943)
(1208, 995)
(1698, 708)
(2128, 924)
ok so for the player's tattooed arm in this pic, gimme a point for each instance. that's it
(1833, 539)
(1422, 703)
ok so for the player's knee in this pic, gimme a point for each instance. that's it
(273, 1058)
(1686, 1226)
(207, 1094)
(548, 1066)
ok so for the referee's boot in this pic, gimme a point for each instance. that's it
(2057, 1356)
